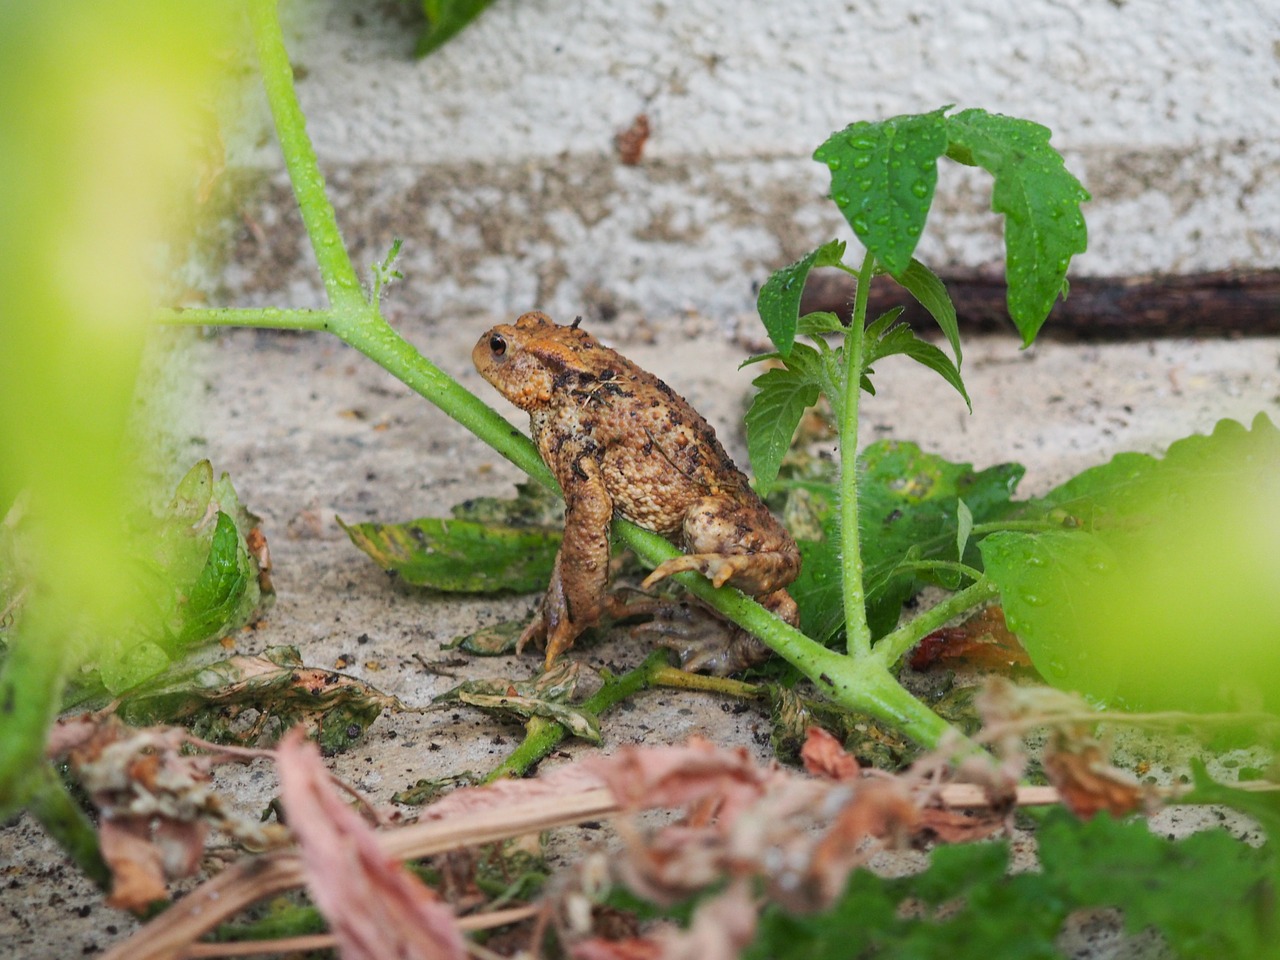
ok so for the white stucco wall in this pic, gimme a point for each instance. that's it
(494, 158)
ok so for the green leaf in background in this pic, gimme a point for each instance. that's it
(909, 508)
(216, 595)
(781, 399)
(883, 175)
(1170, 599)
(445, 20)
(966, 903)
(778, 302)
(930, 292)
(460, 555)
(1040, 200)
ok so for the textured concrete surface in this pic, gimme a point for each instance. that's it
(495, 160)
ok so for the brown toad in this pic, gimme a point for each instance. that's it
(622, 443)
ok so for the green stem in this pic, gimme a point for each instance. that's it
(855, 603)
(543, 735)
(675, 679)
(61, 816)
(897, 644)
(340, 280)
(923, 566)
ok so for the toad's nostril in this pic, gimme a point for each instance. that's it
(497, 345)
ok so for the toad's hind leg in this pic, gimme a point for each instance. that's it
(737, 542)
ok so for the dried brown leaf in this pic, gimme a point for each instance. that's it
(633, 948)
(375, 908)
(824, 756)
(1087, 783)
(708, 779)
(721, 928)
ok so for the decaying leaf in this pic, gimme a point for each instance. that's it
(460, 556)
(982, 641)
(244, 699)
(157, 804)
(546, 694)
(375, 908)
(1087, 782)
(823, 756)
(495, 640)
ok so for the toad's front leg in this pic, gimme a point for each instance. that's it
(575, 599)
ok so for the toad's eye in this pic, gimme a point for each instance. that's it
(497, 345)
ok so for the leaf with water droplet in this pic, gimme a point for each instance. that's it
(1032, 189)
(1167, 593)
(894, 158)
(778, 302)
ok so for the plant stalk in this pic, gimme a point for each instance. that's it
(857, 632)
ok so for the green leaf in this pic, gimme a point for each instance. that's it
(820, 322)
(1040, 200)
(967, 904)
(908, 510)
(214, 598)
(778, 302)
(781, 399)
(930, 292)
(883, 176)
(1168, 597)
(446, 19)
(460, 556)
(902, 339)
(964, 526)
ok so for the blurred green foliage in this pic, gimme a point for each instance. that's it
(101, 112)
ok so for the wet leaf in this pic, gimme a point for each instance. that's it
(1040, 200)
(883, 175)
(460, 555)
(779, 300)
(1170, 556)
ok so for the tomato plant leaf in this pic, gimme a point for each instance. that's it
(883, 175)
(460, 556)
(930, 292)
(778, 302)
(781, 399)
(1171, 554)
(1040, 200)
(903, 340)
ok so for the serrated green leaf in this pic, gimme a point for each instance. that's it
(781, 399)
(778, 302)
(966, 904)
(903, 340)
(1040, 200)
(460, 556)
(883, 176)
(1175, 555)
(214, 598)
(930, 292)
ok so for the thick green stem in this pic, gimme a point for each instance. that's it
(897, 644)
(340, 280)
(543, 735)
(855, 602)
